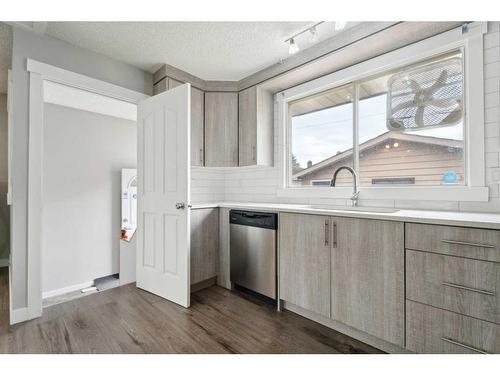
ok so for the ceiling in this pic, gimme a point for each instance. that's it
(5, 54)
(226, 51)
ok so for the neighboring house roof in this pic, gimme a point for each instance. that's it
(445, 142)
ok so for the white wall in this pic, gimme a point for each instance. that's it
(259, 184)
(64, 55)
(84, 153)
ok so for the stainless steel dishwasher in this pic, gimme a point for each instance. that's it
(253, 251)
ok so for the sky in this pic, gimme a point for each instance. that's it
(320, 135)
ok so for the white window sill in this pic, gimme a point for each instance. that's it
(423, 193)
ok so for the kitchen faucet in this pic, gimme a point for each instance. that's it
(355, 191)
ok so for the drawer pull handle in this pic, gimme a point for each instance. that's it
(463, 345)
(468, 288)
(468, 243)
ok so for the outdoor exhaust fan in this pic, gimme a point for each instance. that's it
(426, 97)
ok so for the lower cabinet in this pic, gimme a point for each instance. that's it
(368, 276)
(350, 270)
(204, 244)
(432, 330)
(304, 258)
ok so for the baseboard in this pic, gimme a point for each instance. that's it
(4, 262)
(203, 284)
(346, 330)
(67, 289)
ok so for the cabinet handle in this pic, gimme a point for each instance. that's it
(463, 345)
(468, 243)
(334, 234)
(327, 225)
(201, 156)
(254, 153)
(487, 292)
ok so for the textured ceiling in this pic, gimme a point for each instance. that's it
(209, 50)
(5, 54)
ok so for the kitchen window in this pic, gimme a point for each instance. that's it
(428, 96)
(413, 124)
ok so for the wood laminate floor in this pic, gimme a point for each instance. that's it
(130, 320)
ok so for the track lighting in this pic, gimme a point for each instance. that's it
(314, 34)
(293, 48)
(339, 25)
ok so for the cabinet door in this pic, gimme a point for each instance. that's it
(221, 129)
(247, 115)
(197, 131)
(304, 258)
(204, 244)
(368, 276)
(223, 273)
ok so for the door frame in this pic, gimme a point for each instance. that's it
(38, 73)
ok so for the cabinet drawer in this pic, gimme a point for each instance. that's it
(432, 330)
(465, 242)
(466, 286)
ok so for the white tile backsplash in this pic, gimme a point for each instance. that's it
(260, 184)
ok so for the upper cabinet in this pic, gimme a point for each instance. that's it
(221, 129)
(171, 83)
(229, 128)
(197, 118)
(255, 117)
(197, 127)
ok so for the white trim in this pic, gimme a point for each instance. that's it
(66, 77)
(472, 43)
(40, 72)
(67, 289)
(72, 97)
(19, 315)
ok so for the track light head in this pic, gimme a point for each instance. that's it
(339, 25)
(293, 47)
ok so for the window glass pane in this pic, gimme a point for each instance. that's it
(431, 156)
(322, 137)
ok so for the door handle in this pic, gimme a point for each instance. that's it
(180, 205)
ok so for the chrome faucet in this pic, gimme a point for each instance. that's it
(355, 191)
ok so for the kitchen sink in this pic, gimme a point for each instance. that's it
(382, 210)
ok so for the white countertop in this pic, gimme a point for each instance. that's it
(463, 219)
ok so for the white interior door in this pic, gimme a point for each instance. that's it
(163, 185)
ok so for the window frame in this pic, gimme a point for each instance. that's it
(470, 42)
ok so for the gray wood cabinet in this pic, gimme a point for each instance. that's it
(431, 330)
(255, 117)
(171, 83)
(197, 118)
(197, 127)
(223, 274)
(368, 276)
(462, 285)
(221, 129)
(204, 244)
(304, 259)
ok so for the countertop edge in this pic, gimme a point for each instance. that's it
(451, 218)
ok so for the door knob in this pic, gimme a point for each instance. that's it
(180, 205)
